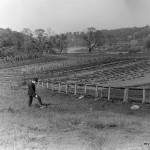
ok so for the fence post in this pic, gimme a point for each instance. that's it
(85, 89)
(75, 89)
(59, 88)
(96, 91)
(38, 84)
(109, 93)
(126, 91)
(66, 88)
(10, 83)
(47, 85)
(144, 94)
(101, 92)
(13, 92)
(52, 86)
(42, 84)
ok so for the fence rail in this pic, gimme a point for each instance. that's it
(126, 94)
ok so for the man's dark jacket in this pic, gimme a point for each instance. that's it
(31, 89)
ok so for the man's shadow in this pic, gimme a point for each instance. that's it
(46, 105)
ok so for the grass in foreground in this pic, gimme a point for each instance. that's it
(70, 123)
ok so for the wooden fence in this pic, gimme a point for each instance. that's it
(126, 94)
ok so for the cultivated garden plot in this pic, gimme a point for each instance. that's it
(65, 67)
(117, 72)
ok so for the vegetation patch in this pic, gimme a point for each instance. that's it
(97, 126)
(92, 140)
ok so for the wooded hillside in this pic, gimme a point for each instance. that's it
(16, 46)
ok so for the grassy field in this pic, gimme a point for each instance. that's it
(70, 123)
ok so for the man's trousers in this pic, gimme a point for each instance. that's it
(31, 99)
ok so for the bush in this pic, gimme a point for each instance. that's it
(134, 50)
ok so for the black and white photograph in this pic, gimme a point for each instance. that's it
(74, 74)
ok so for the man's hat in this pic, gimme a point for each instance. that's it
(35, 79)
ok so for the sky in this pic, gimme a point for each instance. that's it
(73, 15)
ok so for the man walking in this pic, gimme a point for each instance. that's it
(32, 92)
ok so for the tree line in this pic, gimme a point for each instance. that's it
(30, 44)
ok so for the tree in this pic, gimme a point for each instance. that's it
(49, 32)
(147, 43)
(7, 42)
(49, 40)
(93, 39)
(18, 45)
(27, 31)
(111, 40)
(51, 44)
(61, 42)
(40, 34)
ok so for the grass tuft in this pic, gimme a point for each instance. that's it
(98, 126)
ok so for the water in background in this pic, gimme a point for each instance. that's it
(76, 49)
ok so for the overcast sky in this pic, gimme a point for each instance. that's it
(73, 15)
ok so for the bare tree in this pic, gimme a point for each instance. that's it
(27, 31)
(40, 34)
(49, 32)
(93, 38)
